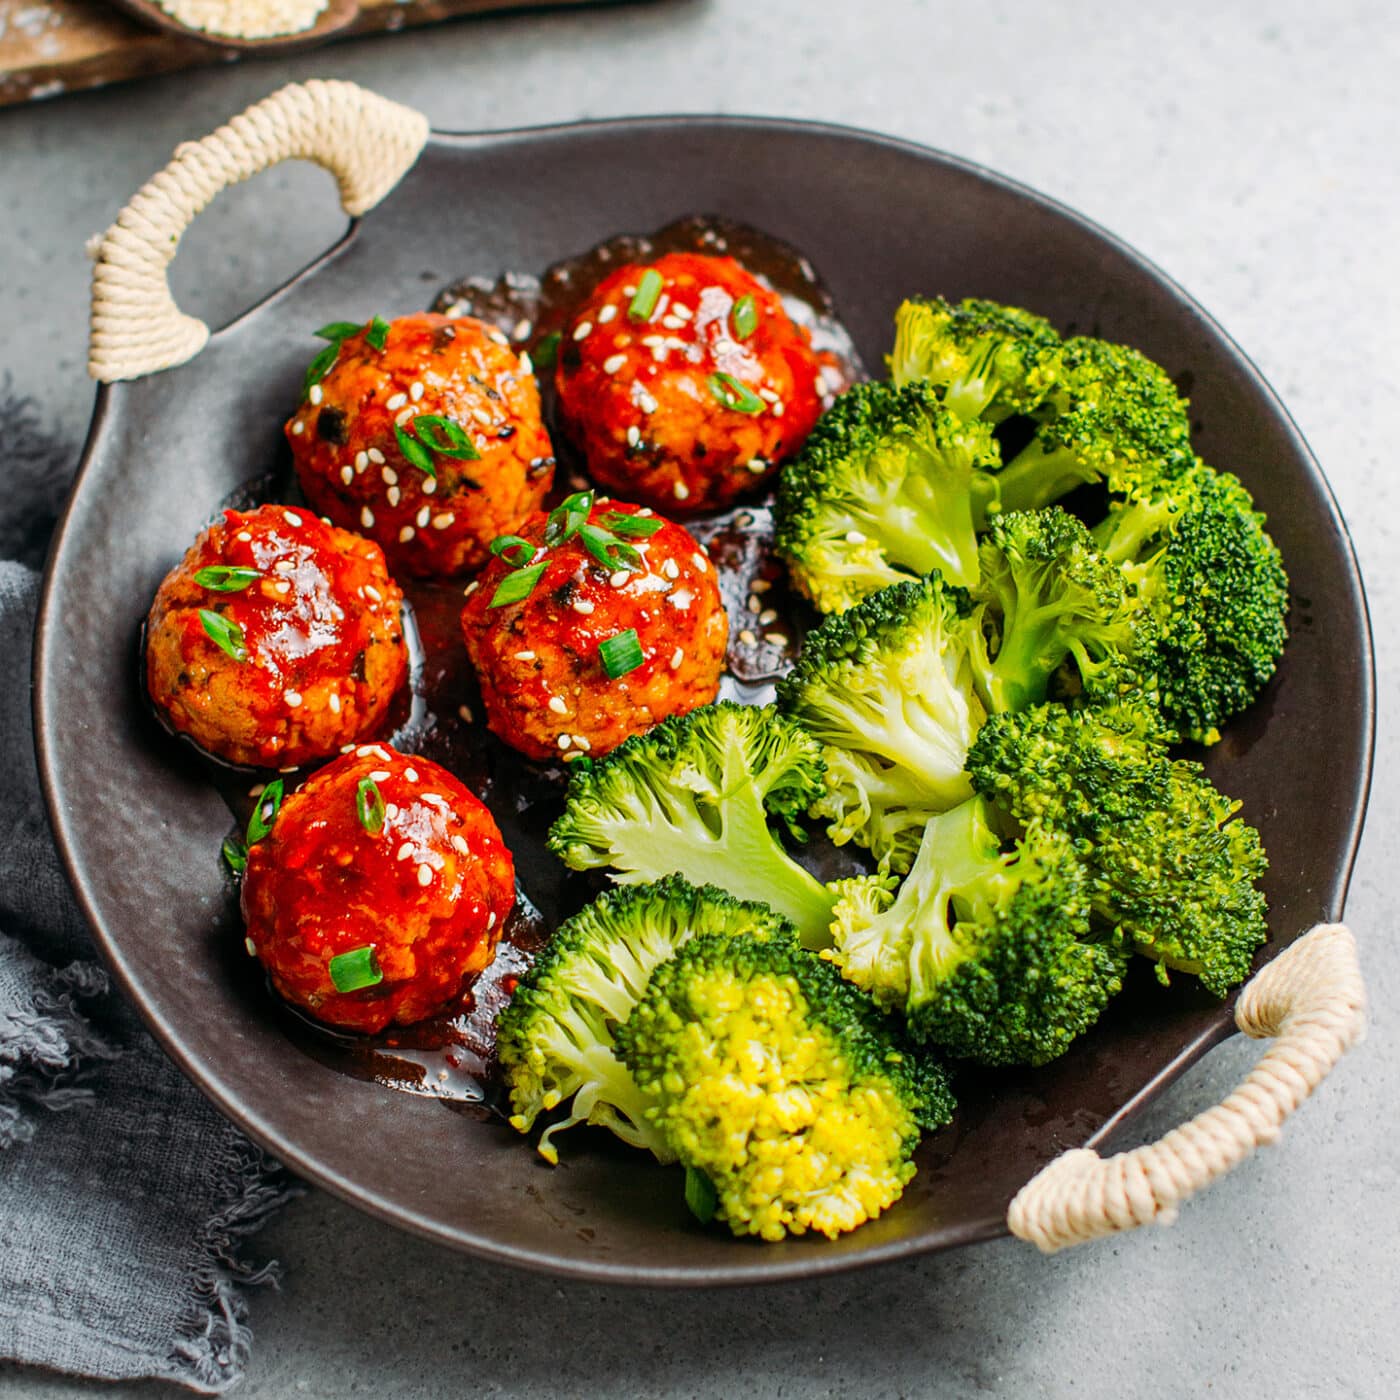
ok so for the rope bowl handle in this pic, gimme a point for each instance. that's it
(365, 141)
(1311, 1002)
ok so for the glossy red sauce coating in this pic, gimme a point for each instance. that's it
(320, 628)
(429, 892)
(638, 395)
(353, 469)
(543, 680)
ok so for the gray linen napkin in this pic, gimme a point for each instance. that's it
(124, 1198)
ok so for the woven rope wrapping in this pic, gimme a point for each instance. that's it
(365, 141)
(1311, 1001)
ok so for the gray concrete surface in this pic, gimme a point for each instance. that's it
(1250, 150)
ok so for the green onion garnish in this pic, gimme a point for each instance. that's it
(235, 854)
(621, 654)
(446, 438)
(415, 454)
(225, 578)
(320, 367)
(355, 969)
(369, 806)
(378, 332)
(516, 586)
(546, 351)
(744, 317)
(608, 549)
(338, 331)
(734, 395)
(269, 802)
(567, 517)
(648, 294)
(517, 552)
(636, 527)
(700, 1195)
(228, 635)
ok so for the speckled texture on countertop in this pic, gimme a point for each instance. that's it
(1249, 150)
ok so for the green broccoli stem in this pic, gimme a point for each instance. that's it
(1032, 648)
(1122, 533)
(1036, 477)
(929, 538)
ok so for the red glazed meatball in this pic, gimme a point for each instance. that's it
(276, 640)
(685, 384)
(433, 445)
(543, 662)
(387, 853)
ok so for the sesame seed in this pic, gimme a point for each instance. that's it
(743, 520)
(316, 394)
(634, 435)
(754, 604)
(582, 605)
(557, 705)
(757, 465)
(396, 402)
(391, 810)
(606, 314)
(293, 698)
(471, 588)
(415, 390)
(404, 851)
(854, 537)
(436, 799)
(257, 790)
(465, 711)
(406, 534)
(347, 748)
(425, 874)
(581, 742)
(244, 536)
(375, 456)
(491, 921)
(699, 561)
(681, 491)
(394, 495)
(389, 476)
(677, 657)
(361, 461)
(334, 703)
(282, 588)
(672, 323)
(443, 520)
(482, 417)
(748, 638)
(251, 947)
(284, 566)
(761, 585)
(347, 474)
(645, 510)
(410, 773)
(766, 616)
(619, 578)
(498, 337)
(373, 594)
(524, 655)
(402, 417)
(380, 775)
(614, 363)
(298, 428)
(670, 569)
(646, 403)
(367, 518)
(429, 487)
(522, 329)
(421, 519)
(654, 341)
(776, 639)
(527, 365)
(724, 346)
(583, 330)
(292, 519)
(768, 394)
(778, 409)
(565, 740)
(629, 291)
(459, 843)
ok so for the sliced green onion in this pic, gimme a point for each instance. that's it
(546, 351)
(355, 969)
(337, 331)
(506, 546)
(225, 578)
(648, 294)
(269, 801)
(568, 517)
(516, 586)
(369, 806)
(415, 454)
(636, 527)
(734, 395)
(700, 1195)
(621, 654)
(228, 635)
(446, 438)
(320, 367)
(744, 317)
(378, 333)
(608, 549)
(235, 854)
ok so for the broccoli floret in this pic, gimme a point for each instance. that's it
(889, 484)
(1113, 416)
(987, 361)
(1052, 596)
(554, 1040)
(694, 796)
(779, 1082)
(989, 955)
(1168, 868)
(887, 687)
(1198, 555)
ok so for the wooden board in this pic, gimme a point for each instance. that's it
(49, 47)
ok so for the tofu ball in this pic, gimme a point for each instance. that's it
(382, 884)
(277, 639)
(685, 384)
(622, 626)
(432, 445)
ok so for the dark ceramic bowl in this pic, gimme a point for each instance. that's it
(880, 219)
